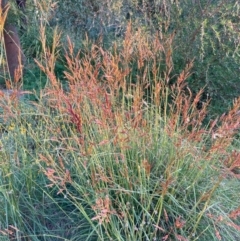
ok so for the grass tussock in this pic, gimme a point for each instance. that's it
(119, 152)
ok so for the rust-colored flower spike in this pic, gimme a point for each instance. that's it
(3, 14)
(147, 166)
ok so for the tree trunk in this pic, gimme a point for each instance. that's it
(13, 52)
(13, 49)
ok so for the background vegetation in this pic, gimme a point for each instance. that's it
(127, 125)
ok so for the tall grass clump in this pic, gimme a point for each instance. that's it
(119, 154)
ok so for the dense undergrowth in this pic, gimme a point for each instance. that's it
(117, 145)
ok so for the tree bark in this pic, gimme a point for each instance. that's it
(13, 52)
(13, 48)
